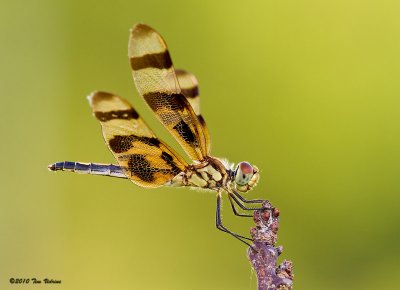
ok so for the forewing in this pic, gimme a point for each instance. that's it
(190, 89)
(145, 159)
(156, 81)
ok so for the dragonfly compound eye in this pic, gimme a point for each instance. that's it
(244, 172)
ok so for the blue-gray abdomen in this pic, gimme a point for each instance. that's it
(88, 168)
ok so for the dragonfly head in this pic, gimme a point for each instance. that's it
(246, 176)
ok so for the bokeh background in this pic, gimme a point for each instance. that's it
(307, 90)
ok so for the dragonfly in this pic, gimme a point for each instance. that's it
(147, 161)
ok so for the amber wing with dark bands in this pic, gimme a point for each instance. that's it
(190, 89)
(144, 158)
(156, 81)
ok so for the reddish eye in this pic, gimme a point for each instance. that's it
(244, 172)
(245, 167)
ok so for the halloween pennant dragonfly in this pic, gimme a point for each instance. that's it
(146, 160)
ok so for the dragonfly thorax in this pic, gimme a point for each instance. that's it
(208, 174)
(212, 174)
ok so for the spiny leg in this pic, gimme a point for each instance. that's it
(238, 195)
(221, 227)
(247, 208)
(219, 224)
(234, 208)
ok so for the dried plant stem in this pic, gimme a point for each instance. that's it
(263, 253)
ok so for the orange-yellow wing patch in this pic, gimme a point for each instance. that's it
(145, 159)
(190, 89)
(156, 81)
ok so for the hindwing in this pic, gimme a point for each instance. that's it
(190, 89)
(145, 159)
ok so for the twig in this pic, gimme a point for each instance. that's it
(263, 254)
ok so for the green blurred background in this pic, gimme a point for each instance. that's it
(307, 90)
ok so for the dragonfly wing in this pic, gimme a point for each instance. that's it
(146, 160)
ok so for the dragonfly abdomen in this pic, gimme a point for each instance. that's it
(88, 168)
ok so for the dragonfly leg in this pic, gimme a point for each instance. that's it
(238, 195)
(234, 197)
(234, 208)
(221, 227)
